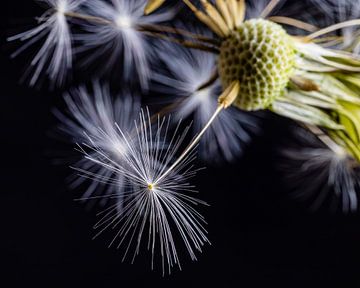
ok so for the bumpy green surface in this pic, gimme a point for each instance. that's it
(260, 55)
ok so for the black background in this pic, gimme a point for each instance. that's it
(260, 236)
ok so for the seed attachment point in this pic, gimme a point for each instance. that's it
(151, 186)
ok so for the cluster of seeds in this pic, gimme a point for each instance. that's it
(260, 55)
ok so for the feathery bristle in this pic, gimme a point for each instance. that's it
(94, 113)
(151, 201)
(54, 58)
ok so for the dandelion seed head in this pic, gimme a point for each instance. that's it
(260, 55)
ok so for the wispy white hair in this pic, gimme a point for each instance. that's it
(343, 11)
(152, 202)
(321, 175)
(254, 8)
(121, 42)
(319, 13)
(94, 113)
(55, 55)
(183, 72)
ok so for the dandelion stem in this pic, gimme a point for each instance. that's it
(269, 8)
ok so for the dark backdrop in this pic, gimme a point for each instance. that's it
(260, 236)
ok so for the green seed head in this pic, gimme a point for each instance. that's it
(260, 55)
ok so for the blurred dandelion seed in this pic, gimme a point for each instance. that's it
(122, 40)
(337, 174)
(55, 56)
(94, 114)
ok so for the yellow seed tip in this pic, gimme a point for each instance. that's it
(152, 5)
(229, 95)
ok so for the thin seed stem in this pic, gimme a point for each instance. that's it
(166, 110)
(224, 10)
(329, 39)
(269, 8)
(294, 22)
(89, 18)
(225, 100)
(326, 139)
(192, 144)
(150, 29)
(214, 76)
(333, 28)
(216, 17)
(185, 43)
(181, 32)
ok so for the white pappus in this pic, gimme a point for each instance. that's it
(321, 172)
(344, 11)
(54, 58)
(94, 114)
(155, 200)
(120, 41)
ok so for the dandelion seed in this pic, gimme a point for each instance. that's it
(153, 203)
(94, 114)
(337, 173)
(55, 56)
(344, 11)
(120, 42)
